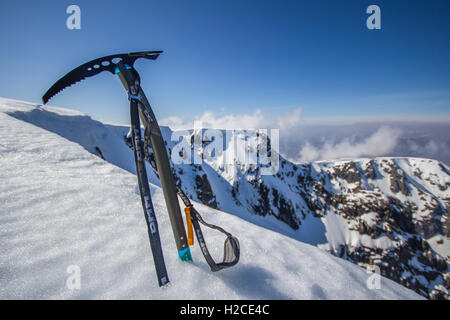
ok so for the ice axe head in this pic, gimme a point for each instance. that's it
(94, 67)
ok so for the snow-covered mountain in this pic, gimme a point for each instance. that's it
(62, 205)
(392, 213)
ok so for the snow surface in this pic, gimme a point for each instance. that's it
(62, 206)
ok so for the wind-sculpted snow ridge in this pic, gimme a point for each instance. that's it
(65, 212)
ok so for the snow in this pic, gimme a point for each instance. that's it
(441, 245)
(370, 218)
(63, 206)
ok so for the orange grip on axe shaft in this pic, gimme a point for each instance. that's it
(190, 229)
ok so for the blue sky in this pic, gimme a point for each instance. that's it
(236, 56)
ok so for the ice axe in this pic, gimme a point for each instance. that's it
(122, 65)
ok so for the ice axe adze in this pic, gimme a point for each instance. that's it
(122, 65)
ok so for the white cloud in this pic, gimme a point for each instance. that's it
(255, 120)
(381, 142)
(338, 137)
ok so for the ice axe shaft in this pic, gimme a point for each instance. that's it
(131, 83)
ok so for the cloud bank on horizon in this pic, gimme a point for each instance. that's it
(303, 139)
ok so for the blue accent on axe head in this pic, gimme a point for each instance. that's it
(185, 254)
(116, 70)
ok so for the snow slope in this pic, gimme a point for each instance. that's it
(61, 205)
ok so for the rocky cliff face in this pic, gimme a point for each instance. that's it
(405, 202)
(387, 213)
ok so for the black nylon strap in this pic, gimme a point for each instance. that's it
(231, 245)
